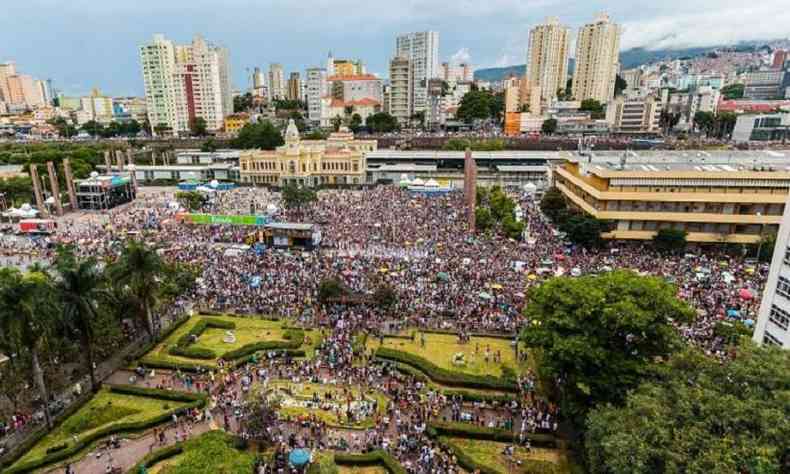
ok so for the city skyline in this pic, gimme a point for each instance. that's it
(258, 35)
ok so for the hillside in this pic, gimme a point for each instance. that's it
(499, 73)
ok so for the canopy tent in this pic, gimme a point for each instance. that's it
(443, 276)
(299, 457)
(26, 211)
(745, 294)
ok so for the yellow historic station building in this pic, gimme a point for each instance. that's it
(338, 160)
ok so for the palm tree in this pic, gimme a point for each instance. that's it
(137, 274)
(27, 311)
(79, 287)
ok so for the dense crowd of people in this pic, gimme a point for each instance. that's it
(419, 247)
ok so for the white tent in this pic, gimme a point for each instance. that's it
(530, 188)
(431, 183)
(418, 182)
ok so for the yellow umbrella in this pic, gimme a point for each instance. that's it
(383, 270)
(496, 286)
(532, 277)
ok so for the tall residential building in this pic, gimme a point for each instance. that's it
(316, 89)
(6, 70)
(23, 91)
(277, 86)
(258, 82)
(547, 63)
(773, 321)
(634, 115)
(356, 87)
(185, 82)
(295, 86)
(597, 60)
(422, 50)
(44, 89)
(400, 92)
(97, 107)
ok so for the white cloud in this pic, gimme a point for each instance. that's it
(709, 26)
(461, 56)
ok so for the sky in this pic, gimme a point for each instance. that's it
(81, 44)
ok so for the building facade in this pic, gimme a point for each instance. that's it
(186, 82)
(422, 50)
(400, 92)
(597, 60)
(766, 85)
(355, 87)
(316, 89)
(773, 322)
(547, 61)
(715, 198)
(235, 122)
(634, 115)
(338, 160)
(277, 85)
(295, 86)
(763, 127)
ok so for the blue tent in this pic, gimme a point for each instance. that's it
(299, 457)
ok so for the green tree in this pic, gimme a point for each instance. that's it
(28, 311)
(619, 85)
(65, 129)
(594, 107)
(93, 128)
(191, 200)
(549, 126)
(596, 337)
(733, 91)
(700, 415)
(385, 296)
(261, 135)
(79, 286)
(478, 105)
(553, 203)
(381, 122)
(209, 146)
(136, 275)
(337, 122)
(670, 240)
(704, 121)
(483, 218)
(512, 228)
(296, 197)
(583, 230)
(298, 119)
(356, 123)
(198, 127)
(242, 103)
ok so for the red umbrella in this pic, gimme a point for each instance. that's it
(745, 294)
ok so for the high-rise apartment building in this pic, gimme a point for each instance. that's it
(597, 60)
(22, 90)
(258, 83)
(316, 89)
(422, 50)
(773, 322)
(277, 86)
(400, 90)
(547, 62)
(6, 70)
(295, 86)
(185, 82)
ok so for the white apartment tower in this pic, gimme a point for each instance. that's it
(773, 322)
(316, 90)
(277, 85)
(547, 61)
(422, 50)
(597, 60)
(185, 82)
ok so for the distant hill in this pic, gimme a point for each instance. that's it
(498, 73)
(636, 57)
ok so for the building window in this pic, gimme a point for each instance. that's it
(771, 340)
(779, 317)
(783, 287)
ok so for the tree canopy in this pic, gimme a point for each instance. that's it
(670, 240)
(595, 108)
(261, 135)
(549, 126)
(596, 337)
(699, 416)
(480, 105)
(381, 122)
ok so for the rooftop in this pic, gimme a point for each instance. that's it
(691, 161)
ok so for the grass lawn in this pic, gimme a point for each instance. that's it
(209, 452)
(441, 348)
(103, 410)
(362, 470)
(247, 331)
(489, 454)
(293, 398)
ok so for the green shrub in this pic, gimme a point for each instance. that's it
(156, 457)
(468, 396)
(444, 376)
(370, 459)
(195, 401)
(464, 430)
(200, 327)
(528, 466)
(192, 352)
(56, 448)
(294, 341)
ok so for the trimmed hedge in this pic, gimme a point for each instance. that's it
(372, 458)
(182, 347)
(156, 457)
(480, 397)
(472, 465)
(192, 352)
(149, 346)
(465, 430)
(507, 337)
(195, 400)
(294, 339)
(20, 450)
(447, 377)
